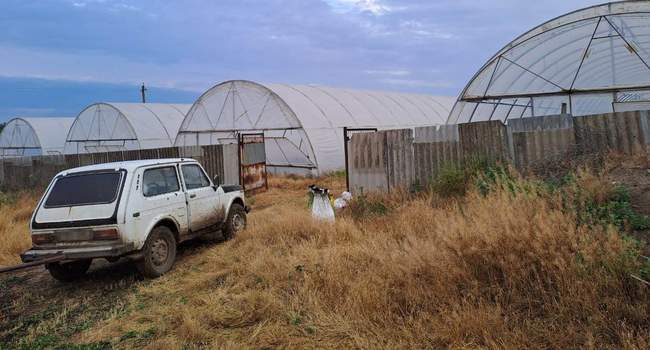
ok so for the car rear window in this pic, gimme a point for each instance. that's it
(86, 189)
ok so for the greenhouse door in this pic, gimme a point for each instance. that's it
(252, 163)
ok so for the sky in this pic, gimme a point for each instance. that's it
(58, 56)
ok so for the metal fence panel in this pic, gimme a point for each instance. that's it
(383, 160)
(624, 132)
(399, 156)
(230, 164)
(484, 140)
(252, 162)
(367, 162)
(536, 141)
(21, 173)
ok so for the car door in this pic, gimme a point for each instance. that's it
(161, 197)
(203, 207)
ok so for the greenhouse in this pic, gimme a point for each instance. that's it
(34, 136)
(591, 61)
(302, 125)
(105, 127)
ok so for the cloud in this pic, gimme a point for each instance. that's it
(113, 6)
(395, 72)
(417, 83)
(425, 30)
(375, 7)
(432, 46)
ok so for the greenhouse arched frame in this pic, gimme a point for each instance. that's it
(302, 124)
(106, 127)
(590, 61)
(34, 136)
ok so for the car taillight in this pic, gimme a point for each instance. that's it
(42, 238)
(105, 234)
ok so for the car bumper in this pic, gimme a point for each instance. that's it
(76, 253)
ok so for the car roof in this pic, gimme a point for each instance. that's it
(128, 165)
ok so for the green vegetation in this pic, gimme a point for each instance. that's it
(53, 342)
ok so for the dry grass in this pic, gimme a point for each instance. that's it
(501, 271)
(510, 269)
(14, 227)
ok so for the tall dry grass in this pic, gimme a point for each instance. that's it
(510, 269)
(14, 227)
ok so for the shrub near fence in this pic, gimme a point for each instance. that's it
(35, 172)
(403, 158)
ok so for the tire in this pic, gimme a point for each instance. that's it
(236, 221)
(69, 271)
(159, 253)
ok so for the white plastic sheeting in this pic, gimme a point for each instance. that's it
(34, 136)
(103, 127)
(303, 125)
(587, 61)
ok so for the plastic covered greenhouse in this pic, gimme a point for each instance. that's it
(302, 125)
(34, 136)
(105, 127)
(591, 61)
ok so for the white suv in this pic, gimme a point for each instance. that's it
(137, 209)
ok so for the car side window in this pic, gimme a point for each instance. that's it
(194, 177)
(159, 181)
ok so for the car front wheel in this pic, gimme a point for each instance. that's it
(159, 253)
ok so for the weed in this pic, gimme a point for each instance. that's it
(41, 342)
(89, 346)
(511, 264)
(367, 206)
(129, 335)
(295, 319)
(451, 182)
(336, 174)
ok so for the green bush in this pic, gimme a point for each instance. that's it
(451, 182)
(615, 210)
(366, 206)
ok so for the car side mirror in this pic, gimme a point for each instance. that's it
(216, 180)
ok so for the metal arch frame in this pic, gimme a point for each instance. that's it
(562, 91)
(69, 139)
(272, 95)
(214, 88)
(23, 147)
(159, 121)
(525, 37)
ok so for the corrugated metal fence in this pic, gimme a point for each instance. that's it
(37, 171)
(403, 158)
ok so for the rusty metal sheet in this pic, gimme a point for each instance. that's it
(252, 162)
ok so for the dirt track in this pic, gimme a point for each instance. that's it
(31, 296)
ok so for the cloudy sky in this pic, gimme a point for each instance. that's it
(57, 56)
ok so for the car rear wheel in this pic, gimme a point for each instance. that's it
(236, 221)
(69, 271)
(159, 253)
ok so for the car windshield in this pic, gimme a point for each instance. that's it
(84, 189)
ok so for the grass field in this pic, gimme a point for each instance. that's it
(15, 213)
(511, 263)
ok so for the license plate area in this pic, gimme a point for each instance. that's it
(75, 235)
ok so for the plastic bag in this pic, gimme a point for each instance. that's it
(321, 204)
(343, 201)
(340, 203)
(322, 208)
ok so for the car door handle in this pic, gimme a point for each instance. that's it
(193, 196)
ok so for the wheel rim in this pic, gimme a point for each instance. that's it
(238, 222)
(159, 251)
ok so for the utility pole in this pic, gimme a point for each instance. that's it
(142, 92)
